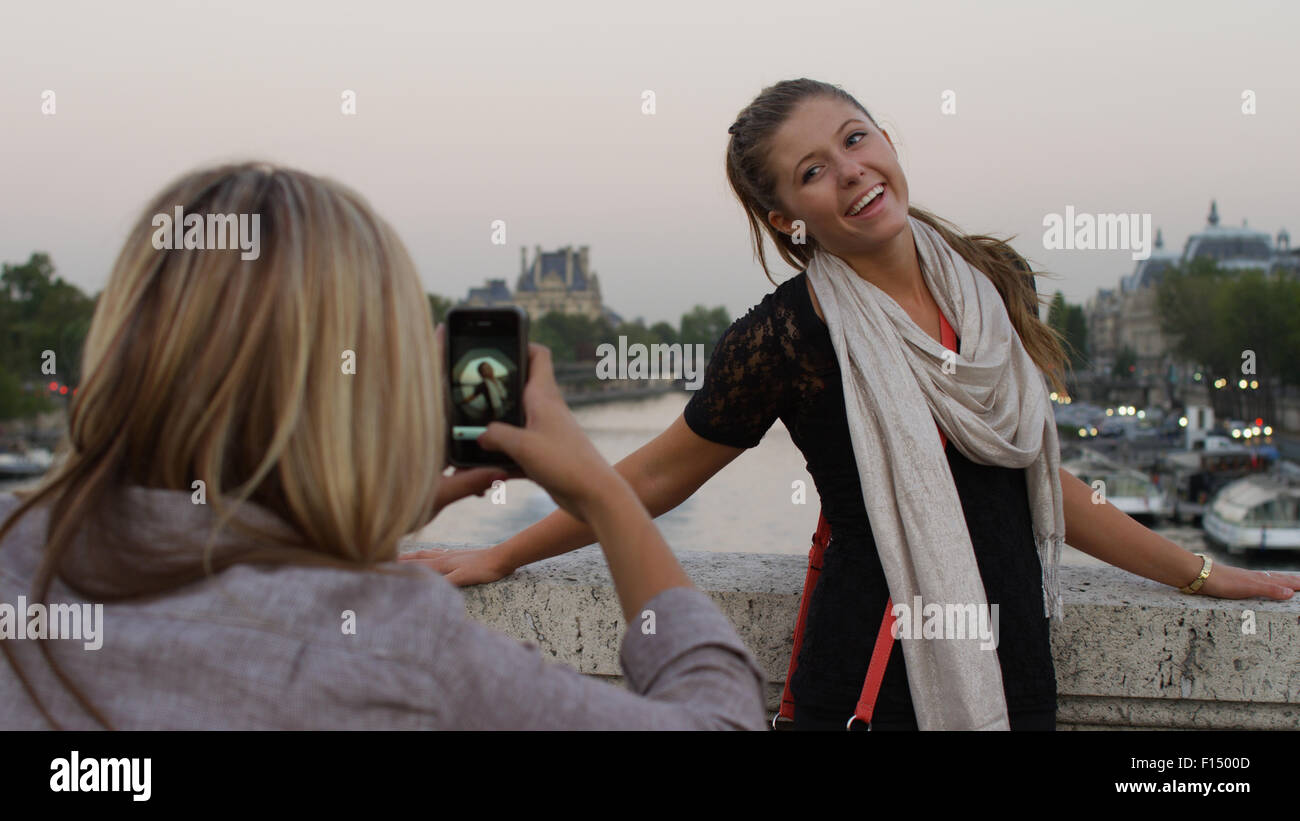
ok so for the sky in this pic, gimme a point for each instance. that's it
(531, 113)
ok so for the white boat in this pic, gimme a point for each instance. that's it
(1259, 512)
(1128, 489)
(1195, 476)
(33, 462)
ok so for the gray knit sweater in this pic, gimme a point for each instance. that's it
(267, 647)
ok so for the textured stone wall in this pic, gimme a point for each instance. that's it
(1130, 653)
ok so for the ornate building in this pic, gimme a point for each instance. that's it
(494, 293)
(1103, 313)
(1137, 324)
(1229, 247)
(1286, 260)
(558, 281)
(555, 281)
(1128, 318)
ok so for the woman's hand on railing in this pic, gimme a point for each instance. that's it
(1227, 582)
(462, 567)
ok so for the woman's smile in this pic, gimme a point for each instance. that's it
(874, 198)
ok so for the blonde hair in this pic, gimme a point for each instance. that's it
(202, 366)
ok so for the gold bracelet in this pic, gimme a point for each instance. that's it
(1195, 586)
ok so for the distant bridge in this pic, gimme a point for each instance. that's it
(580, 385)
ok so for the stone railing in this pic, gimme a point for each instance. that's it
(1129, 653)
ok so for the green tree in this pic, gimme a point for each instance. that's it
(1191, 301)
(39, 312)
(1069, 321)
(635, 331)
(704, 326)
(19, 400)
(1260, 315)
(663, 333)
(571, 337)
(439, 306)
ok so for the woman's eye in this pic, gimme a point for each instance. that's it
(850, 137)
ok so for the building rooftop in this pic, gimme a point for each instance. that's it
(553, 263)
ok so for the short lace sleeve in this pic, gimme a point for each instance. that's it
(746, 382)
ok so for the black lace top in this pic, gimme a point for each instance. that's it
(778, 362)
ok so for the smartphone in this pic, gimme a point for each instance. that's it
(487, 368)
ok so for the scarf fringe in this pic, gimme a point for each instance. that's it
(1049, 555)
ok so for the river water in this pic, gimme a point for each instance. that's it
(747, 506)
(750, 505)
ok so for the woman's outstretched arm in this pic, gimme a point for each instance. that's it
(663, 473)
(1100, 529)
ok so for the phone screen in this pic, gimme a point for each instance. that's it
(486, 378)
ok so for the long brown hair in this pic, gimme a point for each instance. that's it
(203, 366)
(754, 184)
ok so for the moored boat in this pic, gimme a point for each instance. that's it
(1257, 512)
(32, 462)
(1126, 488)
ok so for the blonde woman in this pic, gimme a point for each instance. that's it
(250, 440)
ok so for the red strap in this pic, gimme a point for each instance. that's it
(820, 539)
(885, 637)
(876, 672)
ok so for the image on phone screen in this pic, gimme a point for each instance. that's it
(484, 385)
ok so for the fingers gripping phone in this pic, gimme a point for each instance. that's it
(487, 368)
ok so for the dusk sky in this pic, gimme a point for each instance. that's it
(531, 113)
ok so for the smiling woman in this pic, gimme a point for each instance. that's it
(898, 323)
(892, 283)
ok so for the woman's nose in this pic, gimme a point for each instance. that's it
(851, 172)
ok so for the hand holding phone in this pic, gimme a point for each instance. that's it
(487, 368)
(552, 448)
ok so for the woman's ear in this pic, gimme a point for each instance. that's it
(779, 221)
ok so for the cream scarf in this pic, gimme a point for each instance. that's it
(992, 402)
